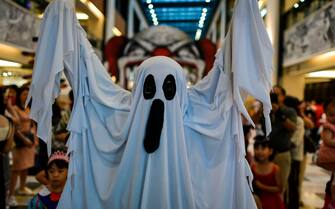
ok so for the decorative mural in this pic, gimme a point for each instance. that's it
(314, 35)
(124, 55)
(18, 27)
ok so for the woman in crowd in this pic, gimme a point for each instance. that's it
(6, 142)
(25, 142)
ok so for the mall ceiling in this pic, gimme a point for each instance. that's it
(191, 16)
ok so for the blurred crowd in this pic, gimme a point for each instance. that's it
(22, 153)
(278, 161)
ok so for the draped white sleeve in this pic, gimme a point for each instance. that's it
(55, 43)
(213, 125)
(100, 109)
(242, 67)
(248, 55)
(63, 45)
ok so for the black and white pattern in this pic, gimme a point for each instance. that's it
(17, 25)
(314, 35)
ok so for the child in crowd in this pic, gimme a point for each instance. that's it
(267, 181)
(328, 138)
(56, 174)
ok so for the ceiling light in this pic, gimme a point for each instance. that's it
(150, 6)
(153, 15)
(207, 1)
(5, 63)
(264, 12)
(148, 1)
(204, 10)
(10, 73)
(198, 34)
(302, 0)
(260, 4)
(202, 18)
(116, 31)
(152, 11)
(328, 54)
(322, 74)
(82, 16)
(93, 8)
(201, 25)
(296, 5)
(155, 23)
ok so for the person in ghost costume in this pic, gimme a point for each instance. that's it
(161, 145)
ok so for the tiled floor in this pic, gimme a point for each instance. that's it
(314, 185)
(312, 189)
(23, 200)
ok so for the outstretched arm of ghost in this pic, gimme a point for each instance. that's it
(54, 45)
(243, 66)
(63, 46)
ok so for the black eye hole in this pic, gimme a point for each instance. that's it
(169, 87)
(149, 88)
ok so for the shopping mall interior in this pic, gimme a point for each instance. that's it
(124, 33)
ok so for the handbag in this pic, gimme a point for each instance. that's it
(326, 157)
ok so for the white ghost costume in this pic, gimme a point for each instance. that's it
(199, 162)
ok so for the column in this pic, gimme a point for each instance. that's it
(130, 21)
(110, 19)
(214, 33)
(223, 21)
(272, 26)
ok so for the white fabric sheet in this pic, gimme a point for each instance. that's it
(200, 161)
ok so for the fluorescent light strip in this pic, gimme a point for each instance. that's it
(93, 8)
(260, 4)
(79, 15)
(198, 34)
(5, 63)
(322, 74)
(264, 12)
(82, 16)
(116, 31)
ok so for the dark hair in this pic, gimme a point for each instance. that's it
(274, 98)
(261, 140)
(59, 164)
(246, 129)
(292, 102)
(14, 87)
(56, 114)
(264, 142)
(18, 100)
(71, 95)
(328, 101)
(283, 91)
